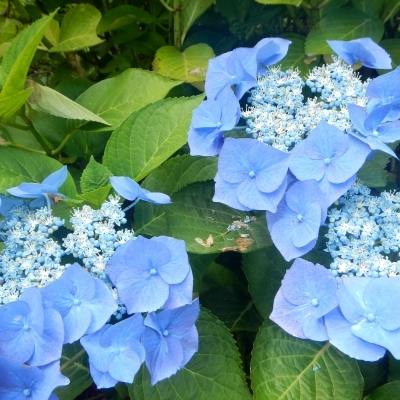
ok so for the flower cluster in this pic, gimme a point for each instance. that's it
(364, 232)
(359, 316)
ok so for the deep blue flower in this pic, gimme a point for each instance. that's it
(370, 129)
(294, 227)
(384, 91)
(170, 340)
(115, 352)
(308, 292)
(364, 50)
(330, 157)
(229, 69)
(210, 120)
(28, 333)
(8, 202)
(38, 191)
(270, 51)
(131, 190)
(19, 381)
(341, 336)
(251, 175)
(371, 306)
(85, 303)
(151, 273)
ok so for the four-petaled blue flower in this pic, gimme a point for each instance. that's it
(115, 352)
(251, 175)
(308, 292)
(210, 120)
(364, 50)
(330, 157)
(131, 190)
(152, 273)
(85, 303)
(170, 340)
(28, 333)
(40, 191)
(294, 227)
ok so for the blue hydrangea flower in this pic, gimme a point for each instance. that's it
(370, 130)
(170, 340)
(364, 50)
(151, 273)
(227, 70)
(251, 175)
(7, 203)
(115, 352)
(210, 120)
(85, 303)
(131, 190)
(19, 381)
(371, 306)
(270, 51)
(294, 227)
(39, 191)
(330, 157)
(384, 91)
(28, 333)
(341, 336)
(308, 292)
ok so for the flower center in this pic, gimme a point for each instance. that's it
(371, 317)
(77, 302)
(300, 218)
(219, 124)
(153, 271)
(26, 392)
(166, 332)
(252, 174)
(26, 327)
(327, 161)
(314, 302)
(375, 133)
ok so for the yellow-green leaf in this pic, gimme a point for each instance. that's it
(296, 3)
(11, 104)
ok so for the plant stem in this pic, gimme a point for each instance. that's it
(63, 143)
(36, 134)
(177, 24)
(131, 205)
(72, 359)
(166, 6)
(18, 146)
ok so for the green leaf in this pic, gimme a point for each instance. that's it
(191, 12)
(9, 105)
(372, 173)
(343, 24)
(78, 29)
(199, 264)
(122, 16)
(391, 8)
(264, 271)
(372, 8)
(170, 177)
(96, 197)
(115, 98)
(394, 368)
(374, 374)
(50, 101)
(17, 166)
(213, 372)
(296, 3)
(149, 136)
(392, 46)
(18, 57)
(284, 367)
(53, 33)
(296, 58)
(203, 224)
(217, 276)
(76, 369)
(189, 65)
(234, 308)
(389, 391)
(94, 176)
(233, 10)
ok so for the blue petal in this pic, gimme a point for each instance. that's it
(117, 262)
(226, 193)
(270, 51)
(307, 230)
(203, 142)
(314, 329)
(7, 203)
(125, 187)
(389, 132)
(103, 380)
(156, 198)
(332, 191)
(57, 178)
(190, 345)
(76, 323)
(181, 293)
(358, 116)
(375, 118)
(340, 335)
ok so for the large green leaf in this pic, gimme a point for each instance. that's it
(50, 101)
(96, 197)
(17, 166)
(74, 365)
(264, 271)
(344, 24)
(389, 391)
(19, 55)
(392, 46)
(115, 98)
(78, 29)
(213, 372)
(199, 264)
(375, 374)
(284, 367)
(122, 16)
(169, 178)
(149, 136)
(189, 65)
(372, 173)
(94, 176)
(11, 104)
(191, 12)
(203, 224)
(372, 8)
